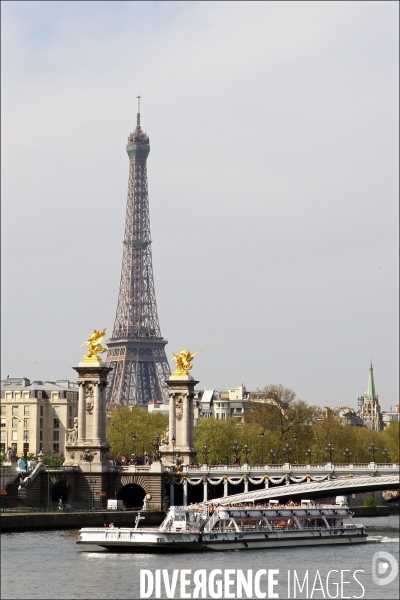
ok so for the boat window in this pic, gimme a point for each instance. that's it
(179, 517)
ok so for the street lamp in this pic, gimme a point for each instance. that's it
(386, 452)
(373, 448)
(246, 451)
(309, 455)
(236, 450)
(173, 440)
(287, 450)
(206, 452)
(262, 446)
(330, 450)
(272, 455)
(295, 447)
(133, 443)
(347, 454)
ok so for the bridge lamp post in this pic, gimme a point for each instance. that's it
(262, 446)
(287, 451)
(173, 449)
(373, 448)
(272, 455)
(347, 454)
(133, 443)
(206, 453)
(309, 455)
(386, 452)
(246, 451)
(330, 450)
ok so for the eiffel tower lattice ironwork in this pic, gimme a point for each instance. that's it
(136, 349)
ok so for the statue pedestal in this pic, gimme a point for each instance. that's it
(181, 421)
(78, 455)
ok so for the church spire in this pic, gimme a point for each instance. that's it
(371, 385)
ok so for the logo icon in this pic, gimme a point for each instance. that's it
(380, 565)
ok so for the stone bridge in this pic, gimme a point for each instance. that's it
(168, 485)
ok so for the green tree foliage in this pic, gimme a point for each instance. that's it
(369, 501)
(390, 438)
(126, 421)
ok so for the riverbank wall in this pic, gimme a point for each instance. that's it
(75, 520)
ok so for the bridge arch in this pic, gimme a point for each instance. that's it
(132, 495)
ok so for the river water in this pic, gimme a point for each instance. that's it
(49, 564)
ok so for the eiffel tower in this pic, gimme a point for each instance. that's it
(136, 349)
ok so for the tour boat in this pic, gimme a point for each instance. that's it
(233, 527)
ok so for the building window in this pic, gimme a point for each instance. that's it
(41, 422)
(56, 411)
(14, 436)
(3, 422)
(26, 423)
(74, 411)
(2, 447)
(40, 447)
(70, 423)
(56, 447)
(26, 436)
(56, 423)
(39, 395)
(3, 435)
(17, 395)
(41, 411)
(54, 395)
(27, 409)
(41, 436)
(25, 395)
(8, 395)
(56, 436)
(3, 410)
(14, 422)
(70, 411)
(15, 410)
(26, 447)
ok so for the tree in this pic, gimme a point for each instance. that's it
(127, 421)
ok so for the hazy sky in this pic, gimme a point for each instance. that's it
(273, 186)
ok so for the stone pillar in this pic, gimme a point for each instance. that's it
(91, 439)
(96, 412)
(205, 490)
(103, 412)
(81, 412)
(181, 417)
(172, 419)
(225, 487)
(185, 490)
(246, 485)
(185, 422)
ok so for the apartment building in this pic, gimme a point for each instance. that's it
(35, 415)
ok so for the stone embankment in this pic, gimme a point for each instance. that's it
(75, 520)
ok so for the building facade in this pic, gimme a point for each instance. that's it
(35, 415)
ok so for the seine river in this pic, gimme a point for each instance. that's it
(48, 564)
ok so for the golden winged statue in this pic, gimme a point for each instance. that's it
(183, 362)
(94, 346)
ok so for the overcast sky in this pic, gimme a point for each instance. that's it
(273, 186)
